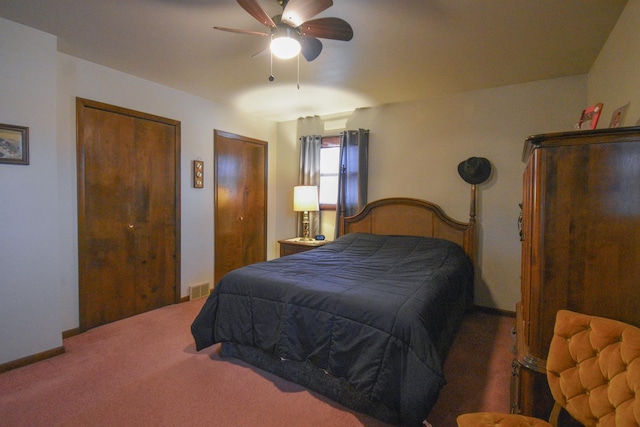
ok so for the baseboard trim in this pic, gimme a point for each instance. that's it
(38, 357)
(75, 331)
(70, 333)
(496, 311)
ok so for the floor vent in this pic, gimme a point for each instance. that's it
(198, 291)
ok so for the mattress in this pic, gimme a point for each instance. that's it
(375, 313)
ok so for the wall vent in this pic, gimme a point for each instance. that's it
(198, 291)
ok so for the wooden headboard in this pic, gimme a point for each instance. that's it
(412, 217)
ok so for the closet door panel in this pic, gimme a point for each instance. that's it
(155, 222)
(106, 242)
(254, 203)
(128, 212)
(229, 210)
(240, 177)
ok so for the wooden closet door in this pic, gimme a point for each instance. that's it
(155, 223)
(128, 212)
(240, 220)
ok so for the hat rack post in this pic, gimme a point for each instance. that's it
(474, 171)
(472, 204)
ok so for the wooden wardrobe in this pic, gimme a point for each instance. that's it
(580, 232)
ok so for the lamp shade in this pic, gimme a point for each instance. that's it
(305, 198)
(285, 43)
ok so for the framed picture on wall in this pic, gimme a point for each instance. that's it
(198, 174)
(14, 144)
(618, 116)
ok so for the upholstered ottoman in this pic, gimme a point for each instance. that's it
(491, 419)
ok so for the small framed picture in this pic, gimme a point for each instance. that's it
(618, 116)
(198, 174)
(14, 144)
(590, 116)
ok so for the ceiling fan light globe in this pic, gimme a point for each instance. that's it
(285, 47)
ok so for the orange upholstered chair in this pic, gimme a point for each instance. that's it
(593, 370)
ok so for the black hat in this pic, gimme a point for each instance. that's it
(475, 170)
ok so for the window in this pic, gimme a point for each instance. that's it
(329, 172)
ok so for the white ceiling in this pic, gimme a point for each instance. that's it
(401, 50)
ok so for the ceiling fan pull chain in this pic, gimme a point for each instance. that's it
(271, 78)
(298, 72)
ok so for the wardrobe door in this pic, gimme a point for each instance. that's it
(128, 212)
(240, 187)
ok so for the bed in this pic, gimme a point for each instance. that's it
(366, 320)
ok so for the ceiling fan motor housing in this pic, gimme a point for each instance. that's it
(295, 22)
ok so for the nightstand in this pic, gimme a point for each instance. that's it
(296, 245)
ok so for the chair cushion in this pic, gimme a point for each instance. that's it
(593, 369)
(491, 419)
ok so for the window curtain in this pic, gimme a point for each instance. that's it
(310, 175)
(352, 183)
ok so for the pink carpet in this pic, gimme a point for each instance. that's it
(478, 369)
(144, 371)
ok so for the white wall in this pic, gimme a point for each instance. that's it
(614, 79)
(29, 261)
(198, 117)
(415, 148)
(39, 265)
(287, 177)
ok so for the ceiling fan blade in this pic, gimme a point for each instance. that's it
(298, 11)
(327, 28)
(254, 9)
(310, 48)
(233, 30)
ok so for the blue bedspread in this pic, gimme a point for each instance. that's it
(374, 311)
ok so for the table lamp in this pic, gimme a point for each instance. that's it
(305, 199)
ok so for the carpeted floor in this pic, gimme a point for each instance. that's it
(144, 371)
(478, 369)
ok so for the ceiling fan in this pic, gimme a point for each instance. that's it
(295, 28)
